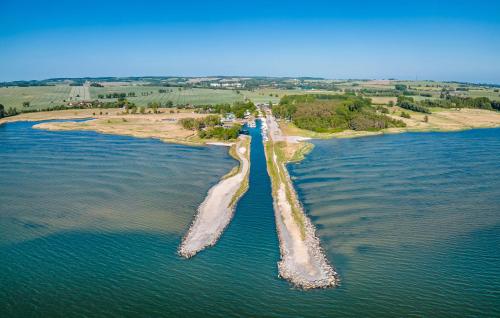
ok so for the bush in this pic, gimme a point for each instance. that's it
(405, 115)
(220, 133)
(188, 123)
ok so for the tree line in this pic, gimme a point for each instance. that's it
(409, 103)
(450, 101)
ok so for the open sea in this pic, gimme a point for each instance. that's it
(90, 225)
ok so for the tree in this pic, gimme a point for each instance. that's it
(11, 111)
(154, 106)
(142, 109)
(26, 104)
(2, 111)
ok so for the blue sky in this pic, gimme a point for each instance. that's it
(440, 40)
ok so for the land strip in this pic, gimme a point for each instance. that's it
(216, 211)
(303, 261)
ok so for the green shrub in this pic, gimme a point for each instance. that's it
(405, 115)
(220, 133)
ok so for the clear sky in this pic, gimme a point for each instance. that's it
(440, 39)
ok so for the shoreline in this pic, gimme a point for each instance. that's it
(56, 127)
(303, 261)
(216, 211)
(162, 126)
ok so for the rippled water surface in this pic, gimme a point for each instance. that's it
(90, 224)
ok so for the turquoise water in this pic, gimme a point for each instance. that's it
(90, 224)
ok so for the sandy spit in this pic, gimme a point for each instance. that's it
(303, 261)
(216, 211)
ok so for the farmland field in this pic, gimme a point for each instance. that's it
(265, 95)
(148, 94)
(38, 96)
(79, 93)
(41, 97)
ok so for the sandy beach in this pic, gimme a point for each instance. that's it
(216, 211)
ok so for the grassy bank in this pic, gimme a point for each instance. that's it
(245, 183)
(276, 160)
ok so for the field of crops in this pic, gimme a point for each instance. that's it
(265, 95)
(491, 94)
(425, 87)
(41, 97)
(148, 94)
(37, 96)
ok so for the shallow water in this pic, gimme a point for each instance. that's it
(90, 225)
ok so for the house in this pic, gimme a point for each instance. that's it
(229, 117)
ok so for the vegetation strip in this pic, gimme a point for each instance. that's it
(217, 210)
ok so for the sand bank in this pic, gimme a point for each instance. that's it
(217, 210)
(163, 126)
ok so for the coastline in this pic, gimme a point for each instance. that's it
(162, 126)
(217, 210)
